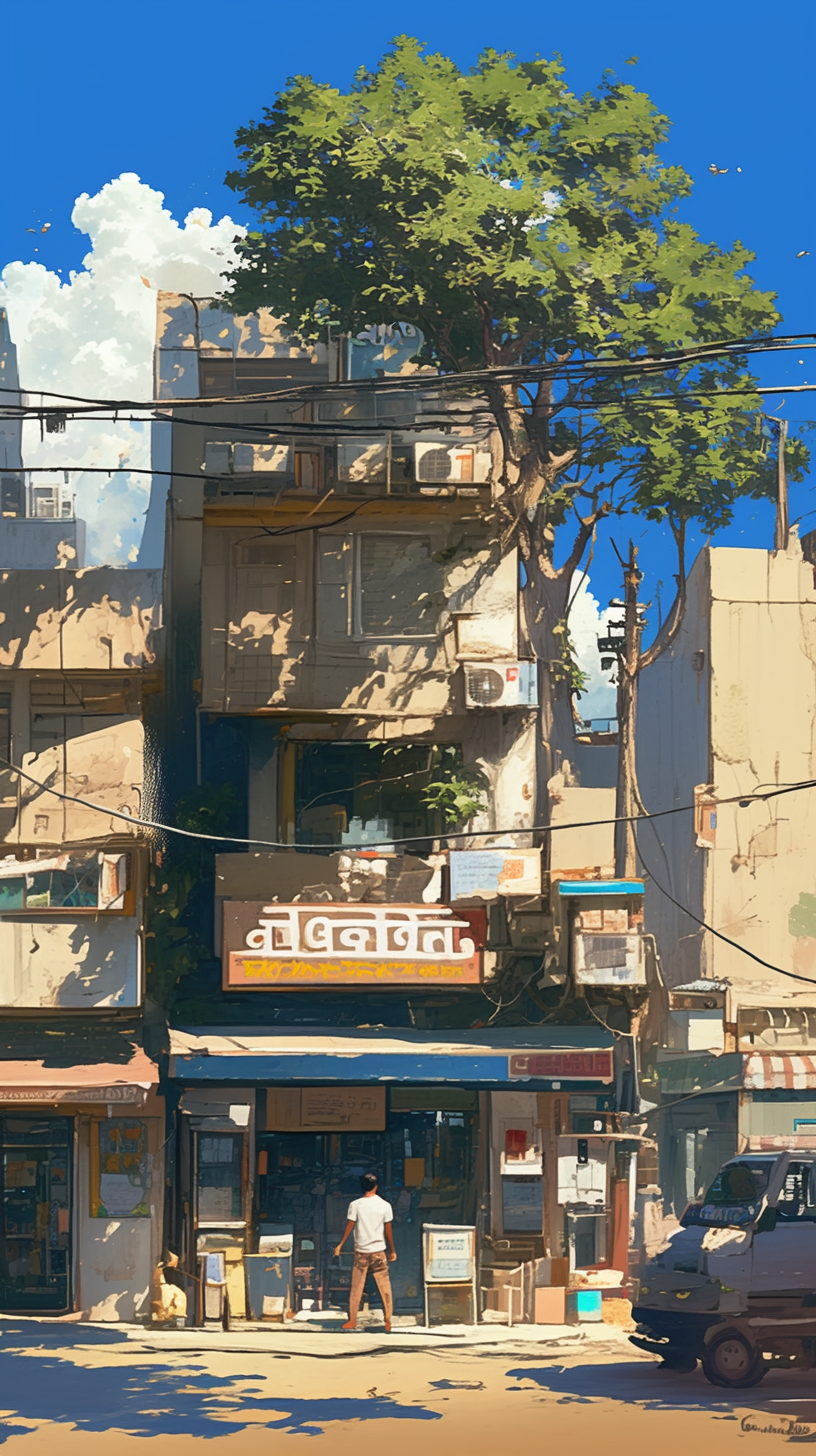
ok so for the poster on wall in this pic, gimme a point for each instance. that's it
(121, 1169)
(352, 946)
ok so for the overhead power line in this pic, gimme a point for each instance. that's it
(757, 796)
(767, 965)
(568, 368)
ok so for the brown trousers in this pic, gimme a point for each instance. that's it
(378, 1264)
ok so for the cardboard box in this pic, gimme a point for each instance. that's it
(551, 1272)
(550, 1307)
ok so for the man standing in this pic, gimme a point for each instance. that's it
(371, 1218)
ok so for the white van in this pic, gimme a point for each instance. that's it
(735, 1287)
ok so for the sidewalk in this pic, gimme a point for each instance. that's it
(325, 1340)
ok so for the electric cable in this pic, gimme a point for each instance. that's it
(742, 799)
(645, 364)
(808, 980)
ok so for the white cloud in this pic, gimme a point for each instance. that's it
(586, 623)
(94, 336)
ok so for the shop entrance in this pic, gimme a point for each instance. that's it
(425, 1160)
(35, 1255)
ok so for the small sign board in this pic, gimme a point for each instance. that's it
(325, 1109)
(450, 1254)
(560, 1066)
(484, 874)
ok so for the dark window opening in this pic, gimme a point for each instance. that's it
(361, 790)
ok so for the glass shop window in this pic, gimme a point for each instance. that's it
(91, 881)
(219, 1177)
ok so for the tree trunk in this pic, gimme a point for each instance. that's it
(545, 600)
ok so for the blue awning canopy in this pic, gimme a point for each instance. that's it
(541, 1059)
(578, 889)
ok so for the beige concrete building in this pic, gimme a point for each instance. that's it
(726, 733)
(81, 1124)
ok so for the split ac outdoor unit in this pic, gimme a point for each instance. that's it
(501, 684)
(444, 464)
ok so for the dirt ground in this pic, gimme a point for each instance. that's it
(70, 1389)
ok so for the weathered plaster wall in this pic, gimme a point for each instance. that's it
(101, 619)
(116, 1256)
(672, 757)
(82, 963)
(742, 718)
(254, 658)
(105, 767)
(761, 883)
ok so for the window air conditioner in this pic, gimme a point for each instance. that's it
(501, 684)
(608, 960)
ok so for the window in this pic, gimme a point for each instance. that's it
(265, 579)
(378, 586)
(744, 1183)
(219, 1177)
(66, 707)
(307, 471)
(80, 881)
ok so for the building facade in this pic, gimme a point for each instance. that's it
(348, 687)
(725, 729)
(81, 1122)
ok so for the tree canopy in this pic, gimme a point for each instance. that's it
(519, 224)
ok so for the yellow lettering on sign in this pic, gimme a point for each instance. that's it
(343, 971)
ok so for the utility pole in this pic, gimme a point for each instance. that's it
(621, 648)
(782, 532)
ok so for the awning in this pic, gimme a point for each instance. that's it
(541, 1060)
(766, 1071)
(128, 1081)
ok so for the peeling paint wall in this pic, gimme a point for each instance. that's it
(105, 767)
(733, 704)
(80, 963)
(117, 1256)
(102, 619)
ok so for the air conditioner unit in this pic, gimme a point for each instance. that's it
(608, 960)
(501, 684)
(445, 464)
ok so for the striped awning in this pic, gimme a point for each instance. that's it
(764, 1071)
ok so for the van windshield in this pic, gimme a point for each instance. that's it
(744, 1182)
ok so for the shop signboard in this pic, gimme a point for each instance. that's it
(353, 946)
(560, 1066)
(325, 1109)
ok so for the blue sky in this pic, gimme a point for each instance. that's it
(160, 89)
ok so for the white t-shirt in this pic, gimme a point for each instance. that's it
(369, 1216)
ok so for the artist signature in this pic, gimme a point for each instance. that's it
(777, 1426)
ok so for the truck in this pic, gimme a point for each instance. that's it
(735, 1286)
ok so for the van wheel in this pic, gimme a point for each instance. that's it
(731, 1360)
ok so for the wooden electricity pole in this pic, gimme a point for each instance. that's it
(626, 862)
(782, 532)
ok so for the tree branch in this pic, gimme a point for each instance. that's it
(675, 619)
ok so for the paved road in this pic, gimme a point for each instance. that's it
(79, 1390)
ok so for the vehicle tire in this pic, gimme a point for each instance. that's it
(680, 1362)
(731, 1360)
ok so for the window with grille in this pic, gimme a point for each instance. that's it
(372, 585)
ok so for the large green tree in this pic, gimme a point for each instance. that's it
(518, 224)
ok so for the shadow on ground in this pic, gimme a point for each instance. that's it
(654, 1388)
(146, 1399)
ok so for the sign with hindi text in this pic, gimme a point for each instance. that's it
(354, 946)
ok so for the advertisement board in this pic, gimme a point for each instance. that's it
(355, 946)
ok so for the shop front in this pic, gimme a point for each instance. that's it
(275, 1130)
(80, 1168)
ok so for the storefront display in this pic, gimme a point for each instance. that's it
(35, 1252)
